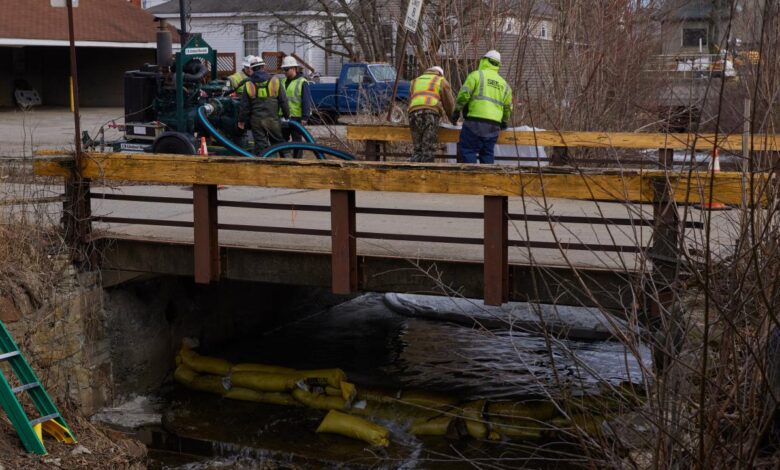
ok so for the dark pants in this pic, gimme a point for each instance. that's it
(425, 126)
(478, 141)
(266, 132)
(293, 135)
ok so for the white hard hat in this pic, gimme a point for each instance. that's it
(257, 61)
(248, 60)
(289, 62)
(436, 69)
(493, 55)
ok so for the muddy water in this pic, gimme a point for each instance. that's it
(378, 348)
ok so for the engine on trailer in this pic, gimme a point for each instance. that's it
(162, 100)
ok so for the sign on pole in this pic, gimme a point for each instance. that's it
(63, 3)
(413, 15)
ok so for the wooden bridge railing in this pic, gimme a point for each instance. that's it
(344, 178)
(376, 136)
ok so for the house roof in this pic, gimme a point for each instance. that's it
(201, 7)
(690, 10)
(99, 23)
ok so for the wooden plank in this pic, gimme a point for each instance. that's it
(628, 140)
(484, 180)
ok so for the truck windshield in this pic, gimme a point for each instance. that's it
(383, 72)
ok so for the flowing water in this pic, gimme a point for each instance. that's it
(378, 348)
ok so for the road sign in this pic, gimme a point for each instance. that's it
(413, 15)
(63, 3)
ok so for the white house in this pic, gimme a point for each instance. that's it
(245, 27)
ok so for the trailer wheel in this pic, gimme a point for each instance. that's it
(175, 143)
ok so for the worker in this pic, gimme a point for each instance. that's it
(486, 102)
(238, 80)
(260, 106)
(431, 98)
(299, 98)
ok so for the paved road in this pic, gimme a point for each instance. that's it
(536, 231)
(23, 132)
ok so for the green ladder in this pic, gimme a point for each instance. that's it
(50, 420)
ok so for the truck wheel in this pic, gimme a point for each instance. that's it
(397, 114)
(325, 118)
(175, 143)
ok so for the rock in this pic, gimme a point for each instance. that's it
(8, 311)
(55, 462)
(80, 450)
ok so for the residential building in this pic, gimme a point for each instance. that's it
(244, 27)
(111, 36)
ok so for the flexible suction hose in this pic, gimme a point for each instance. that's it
(306, 146)
(226, 142)
(319, 150)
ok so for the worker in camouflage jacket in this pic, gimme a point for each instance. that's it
(261, 105)
(431, 98)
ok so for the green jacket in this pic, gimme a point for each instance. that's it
(485, 95)
(238, 81)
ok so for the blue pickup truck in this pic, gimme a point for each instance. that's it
(361, 87)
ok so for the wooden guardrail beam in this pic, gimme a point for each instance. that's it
(627, 140)
(483, 180)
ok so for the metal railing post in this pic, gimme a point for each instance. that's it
(206, 236)
(344, 268)
(496, 268)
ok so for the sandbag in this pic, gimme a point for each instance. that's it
(320, 402)
(529, 410)
(204, 364)
(268, 369)
(431, 427)
(263, 382)
(184, 375)
(475, 422)
(348, 391)
(356, 428)
(208, 383)
(274, 398)
(516, 429)
(428, 399)
(332, 377)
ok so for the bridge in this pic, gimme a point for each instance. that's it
(436, 228)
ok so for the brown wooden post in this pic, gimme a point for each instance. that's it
(496, 269)
(664, 316)
(560, 156)
(204, 208)
(373, 153)
(344, 268)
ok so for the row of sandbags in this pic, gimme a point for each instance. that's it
(430, 414)
(324, 389)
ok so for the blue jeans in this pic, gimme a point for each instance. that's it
(478, 141)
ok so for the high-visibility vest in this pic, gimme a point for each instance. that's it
(425, 90)
(295, 96)
(263, 90)
(238, 81)
(490, 97)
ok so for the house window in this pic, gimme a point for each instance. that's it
(543, 32)
(251, 43)
(692, 36)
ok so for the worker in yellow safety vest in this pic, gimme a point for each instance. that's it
(261, 105)
(486, 101)
(239, 79)
(299, 98)
(430, 99)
